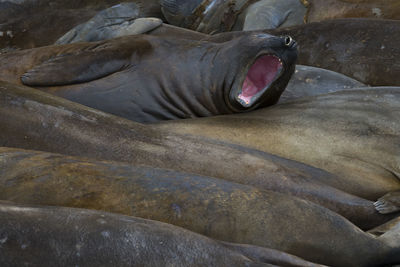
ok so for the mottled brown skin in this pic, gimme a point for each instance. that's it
(59, 236)
(146, 78)
(213, 207)
(318, 10)
(364, 49)
(32, 119)
(353, 134)
(42, 22)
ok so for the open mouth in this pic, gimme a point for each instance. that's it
(264, 71)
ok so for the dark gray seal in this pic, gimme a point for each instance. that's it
(146, 78)
(29, 24)
(58, 236)
(119, 20)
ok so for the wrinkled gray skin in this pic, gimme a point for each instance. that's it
(311, 81)
(118, 20)
(271, 14)
(213, 207)
(353, 134)
(35, 120)
(59, 236)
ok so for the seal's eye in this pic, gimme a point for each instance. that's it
(289, 41)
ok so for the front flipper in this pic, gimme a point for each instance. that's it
(388, 203)
(79, 67)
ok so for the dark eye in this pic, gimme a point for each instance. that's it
(288, 41)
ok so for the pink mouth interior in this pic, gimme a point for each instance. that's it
(259, 76)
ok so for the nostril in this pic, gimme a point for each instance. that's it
(289, 41)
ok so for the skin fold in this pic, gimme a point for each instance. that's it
(213, 207)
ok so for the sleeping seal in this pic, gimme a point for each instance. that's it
(59, 236)
(353, 134)
(146, 78)
(220, 16)
(32, 119)
(118, 20)
(213, 207)
(34, 23)
(319, 10)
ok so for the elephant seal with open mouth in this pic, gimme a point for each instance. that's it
(146, 78)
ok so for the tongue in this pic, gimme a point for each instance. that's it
(259, 76)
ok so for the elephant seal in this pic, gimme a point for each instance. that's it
(32, 119)
(310, 81)
(29, 24)
(59, 236)
(353, 134)
(213, 207)
(146, 78)
(118, 20)
(220, 16)
(318, 10)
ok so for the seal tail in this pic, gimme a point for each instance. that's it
(388, 203)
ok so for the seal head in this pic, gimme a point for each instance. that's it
(267, 72)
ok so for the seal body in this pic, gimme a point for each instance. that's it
(319, 10)
(216, 208)
(29, 24)
(146, 78)
(34, 120)
(35, 235)
(352, 133)
(221, 16)
(118, 20)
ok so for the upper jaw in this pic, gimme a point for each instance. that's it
(259, 76)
